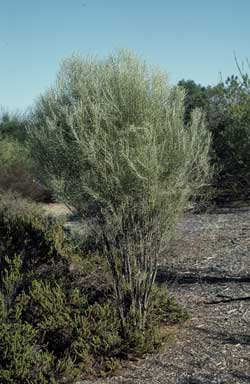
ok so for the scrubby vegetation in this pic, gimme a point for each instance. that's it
(57, 323)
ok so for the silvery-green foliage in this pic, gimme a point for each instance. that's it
(110, 139)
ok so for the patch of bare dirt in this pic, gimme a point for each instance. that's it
(56, 210)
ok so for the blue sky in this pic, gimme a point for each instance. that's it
(191, 39)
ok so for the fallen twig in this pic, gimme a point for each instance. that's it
(227, 299)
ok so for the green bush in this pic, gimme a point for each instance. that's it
(110, 139)
(22, 359)
(58, 324)
(165, 309)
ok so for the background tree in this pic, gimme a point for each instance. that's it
(110, 139)
(227, 111)
(196, 96)
(13, 126)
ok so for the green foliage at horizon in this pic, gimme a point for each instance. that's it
(227, 109)
(13, 126)
(195, 97)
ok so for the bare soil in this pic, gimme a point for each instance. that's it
(208, 271)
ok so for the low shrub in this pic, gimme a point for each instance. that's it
(165, 309)
(24, 230)
(22, 359)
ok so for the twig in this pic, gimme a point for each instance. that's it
(227, 299)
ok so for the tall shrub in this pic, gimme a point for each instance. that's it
(110, 139)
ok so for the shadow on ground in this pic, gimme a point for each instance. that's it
(227, 338)
(192, 277)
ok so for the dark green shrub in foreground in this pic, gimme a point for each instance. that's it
(57, 323)
(22, 360)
